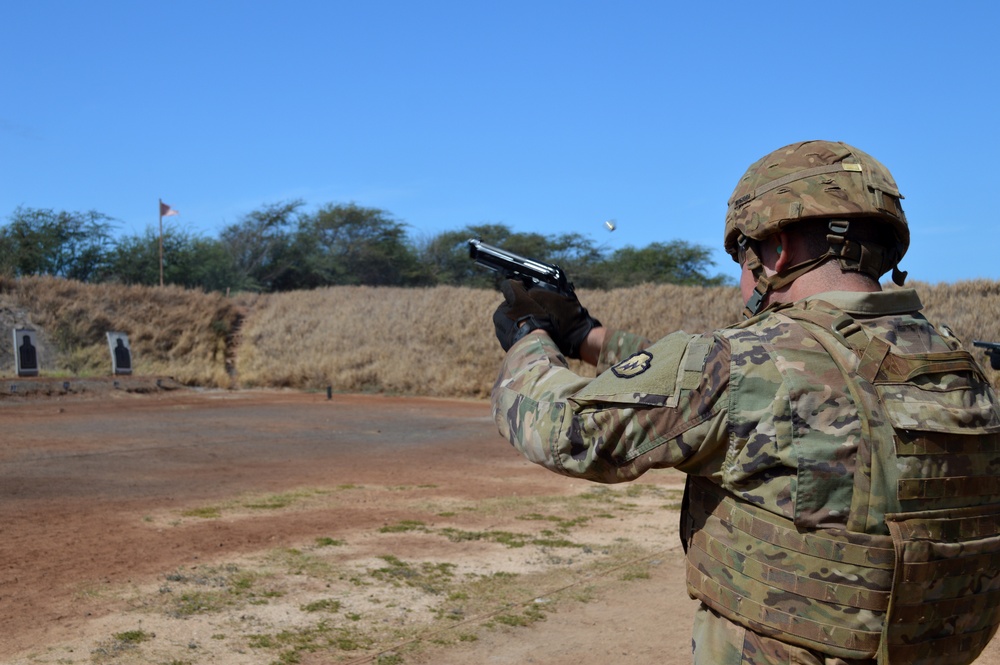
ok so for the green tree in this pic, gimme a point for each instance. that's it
(579, 257)
(676, 262)
(135, 259)
(351, 244)
(188, 260)
(260, 246)
(448, 254)
(65, 244)
(210, 267)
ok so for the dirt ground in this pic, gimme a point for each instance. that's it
(185, 527)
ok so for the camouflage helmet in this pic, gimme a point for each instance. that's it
(814, 180)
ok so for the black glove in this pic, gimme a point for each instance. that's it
(560, 315)
(571, 322)
(518, 314)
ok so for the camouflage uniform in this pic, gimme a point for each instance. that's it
(774, 422)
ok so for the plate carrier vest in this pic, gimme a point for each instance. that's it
(914, 578)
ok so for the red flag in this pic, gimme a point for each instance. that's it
(167, 211)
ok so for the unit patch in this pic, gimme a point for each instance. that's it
(634, 365)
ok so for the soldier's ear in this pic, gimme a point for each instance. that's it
(783, 251)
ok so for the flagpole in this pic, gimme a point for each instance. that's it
(161, 241)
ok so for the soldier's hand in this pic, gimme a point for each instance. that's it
(571, 322)
(518, 315)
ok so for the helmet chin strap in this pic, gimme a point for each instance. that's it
(853, 255)
(767, 283)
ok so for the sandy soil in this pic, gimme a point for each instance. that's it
(184, 527)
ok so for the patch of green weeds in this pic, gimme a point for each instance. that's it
(481, 593)
(281, 500)
(636, 572)
(502, 537)
(329, 542)
(242, 582)
(433, 578)
(389, 659)
(323, 636)
(265, 598)
(267, 502)
(634, 490)
(297, 562)
(561, 523)
(555, 542)
(619, 497)
(510, 620)
(206, 512)
(217, 576)
(134, 636)
(583, 594)
(403, 526)
(507, 538)
(528, 616)
(598, 494)
(200, 602)
(258, 641)
(325, 605)
(674, 499)
(227, 586)
(120, 643)
(567, 524)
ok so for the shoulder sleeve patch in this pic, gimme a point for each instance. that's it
(634, 365)
(649, 377)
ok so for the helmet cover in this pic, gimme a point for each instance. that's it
(814, 180)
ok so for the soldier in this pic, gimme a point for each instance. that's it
(842, 453)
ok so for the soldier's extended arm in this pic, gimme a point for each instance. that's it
(620, 425)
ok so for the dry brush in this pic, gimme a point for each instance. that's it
(435, 341)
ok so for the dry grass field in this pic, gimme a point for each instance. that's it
(432, 342)
(173, 331)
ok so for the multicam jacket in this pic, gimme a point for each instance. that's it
(843, 459)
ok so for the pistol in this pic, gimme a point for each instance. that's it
(530, 272)
(992, 350)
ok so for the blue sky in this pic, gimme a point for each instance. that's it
(545, 116)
